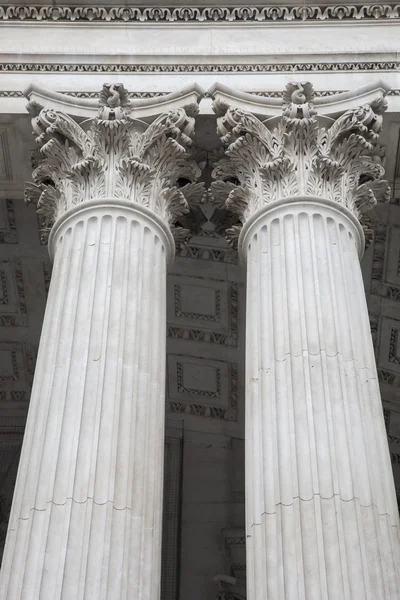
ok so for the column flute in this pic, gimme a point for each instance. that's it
(86, 514)
(321, 510)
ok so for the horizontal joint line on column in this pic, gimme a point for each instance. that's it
(322, 351)
(306, 352)
(324, 498)
(84, 502)
(75, 502)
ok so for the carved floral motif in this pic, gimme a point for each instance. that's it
(53, 67)
(114, 156)
(114, 102)
(299, 154)
(208, 13)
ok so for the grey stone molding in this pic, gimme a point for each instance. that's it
(18, 94)
(206, 14)
(23, 67)
(269, 94)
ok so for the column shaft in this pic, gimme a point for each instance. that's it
(86, 516)
(321, 510)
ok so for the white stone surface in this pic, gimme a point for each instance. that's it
(250, 55)
(321, 510)
(86, 517)
(207, 42)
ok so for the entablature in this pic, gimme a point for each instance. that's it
(160, 50)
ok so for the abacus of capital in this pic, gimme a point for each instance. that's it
(296, 190)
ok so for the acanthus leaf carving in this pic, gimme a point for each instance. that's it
(117, 156)
(299, 154)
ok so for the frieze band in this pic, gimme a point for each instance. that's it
(200, 14)
(21, 67)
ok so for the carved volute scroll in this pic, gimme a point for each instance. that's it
(299, 154)
(114, 156)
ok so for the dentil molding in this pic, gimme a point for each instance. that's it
(206, 14)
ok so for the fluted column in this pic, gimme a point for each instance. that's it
(321, 510)
(86, 514)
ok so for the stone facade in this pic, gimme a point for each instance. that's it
(203, 547)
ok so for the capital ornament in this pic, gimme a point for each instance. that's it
(300, 154)
(114, 156)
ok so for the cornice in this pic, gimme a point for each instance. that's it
(36, 67)
(209, 14)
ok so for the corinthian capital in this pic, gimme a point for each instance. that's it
(300, 154)
(114, 156)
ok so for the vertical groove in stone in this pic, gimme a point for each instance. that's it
(321, 512)
(84, 522)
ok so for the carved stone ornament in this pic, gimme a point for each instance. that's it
(299, 153)
(114, 156)
(273, 13)
(290, 67)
